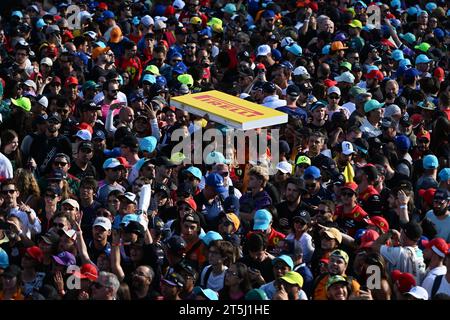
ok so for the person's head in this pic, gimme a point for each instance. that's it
(190, 226)
(221, 252)
(338, 288)
(10, 142)
(71, 207)
(256, 246)
(312, 177)
(410, 233)
(61, 161)
(142, 277)
(258, 178)
(113, 202)
(128, 203)
(88, 188)
(112, 169)
(101, 229)
(172, 285)
(349, 193)
(281, 265)
(228, 223)
(325, 211)
(292, 282)
(330, 239)
(338, 262)
(293, 191)
(10, 193)
(440, 202)
(52, 196)
(32, 258)
(237, 274)
(11, 278)
(105, 287)
(316, 142)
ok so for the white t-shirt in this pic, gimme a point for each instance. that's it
(442, 226)
(6, 170)
(305, 242)
(427, 283)
(444, 287)
(215, 282)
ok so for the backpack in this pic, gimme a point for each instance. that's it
(204, 280)
(414, 265)
(436, 285)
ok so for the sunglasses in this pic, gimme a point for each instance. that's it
(333, 97)
(8, 191)
(86, 150)
(114, 91)
(310, 185)
(60, 163)
(347, 194)
(51, 196)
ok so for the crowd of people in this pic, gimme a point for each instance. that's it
(94, 205)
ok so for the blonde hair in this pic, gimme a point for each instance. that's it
(27, 183)
(260, 173)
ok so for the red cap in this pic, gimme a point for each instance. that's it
(438, 245)
(191, 202)
(439, 74)
(375, 74)
(103, 6)
(329, 83)
(52, 51)
(164, 43)
(424, 134)
(314, 6)
(387, 43)
(124, 162)
(350, 185)
(86, 126)
(56, 79)
(87, 271)
(368, 238)
(379, 222)
(170, 11)
(261, 66)
(35, 253)
(68, 35)
(71, 81)
(416, 119)
(427, 195)
(404, 281)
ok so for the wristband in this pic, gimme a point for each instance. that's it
(403, 206)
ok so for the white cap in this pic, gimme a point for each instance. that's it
(301, 70)
(72, 202)
(347, 148)
(244, 95)
(178, 4)
(263, 50)
(70, 233)
(159, 24)
(287, 42)
(147, 21)
(43, 101)
(30, 83)
(418, 293)
(84, 135)
(284, 167)
(47, 61)
(334, 89)
(103, 222)
(391, 110)
(129, 196)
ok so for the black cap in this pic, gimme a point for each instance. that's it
(441, 194)
(231, 204)
(54, 189)
(156, 223)
(244, 55)
(130, 141)
(412, 230)
(90, 106)
(184, 266)
(284, 147)
(159, 187)
(302, 215)
(163, 161)
(405, 121)
(185, 190)
(175, 278)
(134, 227)
(176, 245)
(86, 145)
(293, 90)
(269, 87)
(404, 185)
(245, 71)
(192, 217)
(180, 30)
(258, 85)
(54, 117)
(361, 145)
(356, 67)
(338, 180)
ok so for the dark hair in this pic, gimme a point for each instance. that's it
(89, 182)
(226, 250)
(256, 242)
(7, 137)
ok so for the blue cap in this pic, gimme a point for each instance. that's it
(267, 14)
(148, 144)
(215, 180)
(422, 58)
(397, 55)
(262, 220)
(206, 32)
(107, 15)
(180, 68)
(295, 49)
(412, 11)
(405, 62)
(99, 134)
(136, 21)
(372, 67)
(340, 37)
(286, 64)
(149, 78)
(4, 259)
(286, 259)
(208, 293)
(196, 172)
(40, 23)
(112, 153)
(138, 95)
(439, 33)
(231, 204)
(396, 4)
(430, 6)
(411, 73)
(326, 49)
(444, 174)
(175, 54)
(111, 163)
(362, 3)
(312, 172)
(211, 236)
(276, 54)
(372, 104)
(430, 162)
(161, 80)
(100, 44)
(402, 142)
(128, 218)
(18, 14)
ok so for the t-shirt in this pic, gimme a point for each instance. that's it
(442, 226)
(401, 258)
(214, 282)
(305, 242)
(444, 287)
(270, 290)
(427, 283)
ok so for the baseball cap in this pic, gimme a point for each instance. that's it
(211, 236)
(72, 203)
(368, 238)
(312, 172)
(35, 252)
(337, 45)
(293, 90)
(402, 142)
(285, 259)
(196, 172)
(334, 233)
(263, 50)
(347, 148)
(148, 144)
(262, 219)
(99, 134)
(346, 76)
(422, 58)
(334, 89)
(103, 222)
(50, 237)
(438, 245)
(404, 280)
(189, 201)
(302, 215)
(293, 277)
(372, 104)
(441, 194)
(411, 73)
(295, 49)
(111, 163)
(206, 293)
(65, 258)
(444, 174)
(336, 279)
(256, 294)
(215, 157)
(424, 47)
(355, 24)
(84, 135)
(427, 105)
(129, 196)
(427, 195)
(22, 102)
(418, 293)
(4, 259)
(174, 279)
(350, 185)
(87, 271)
(233, 218)
(379, 222)
(397, 55)
(176, 245)
(430, 162)
(375, 74)
(284, 167)
(340, 254)
(303, 160)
